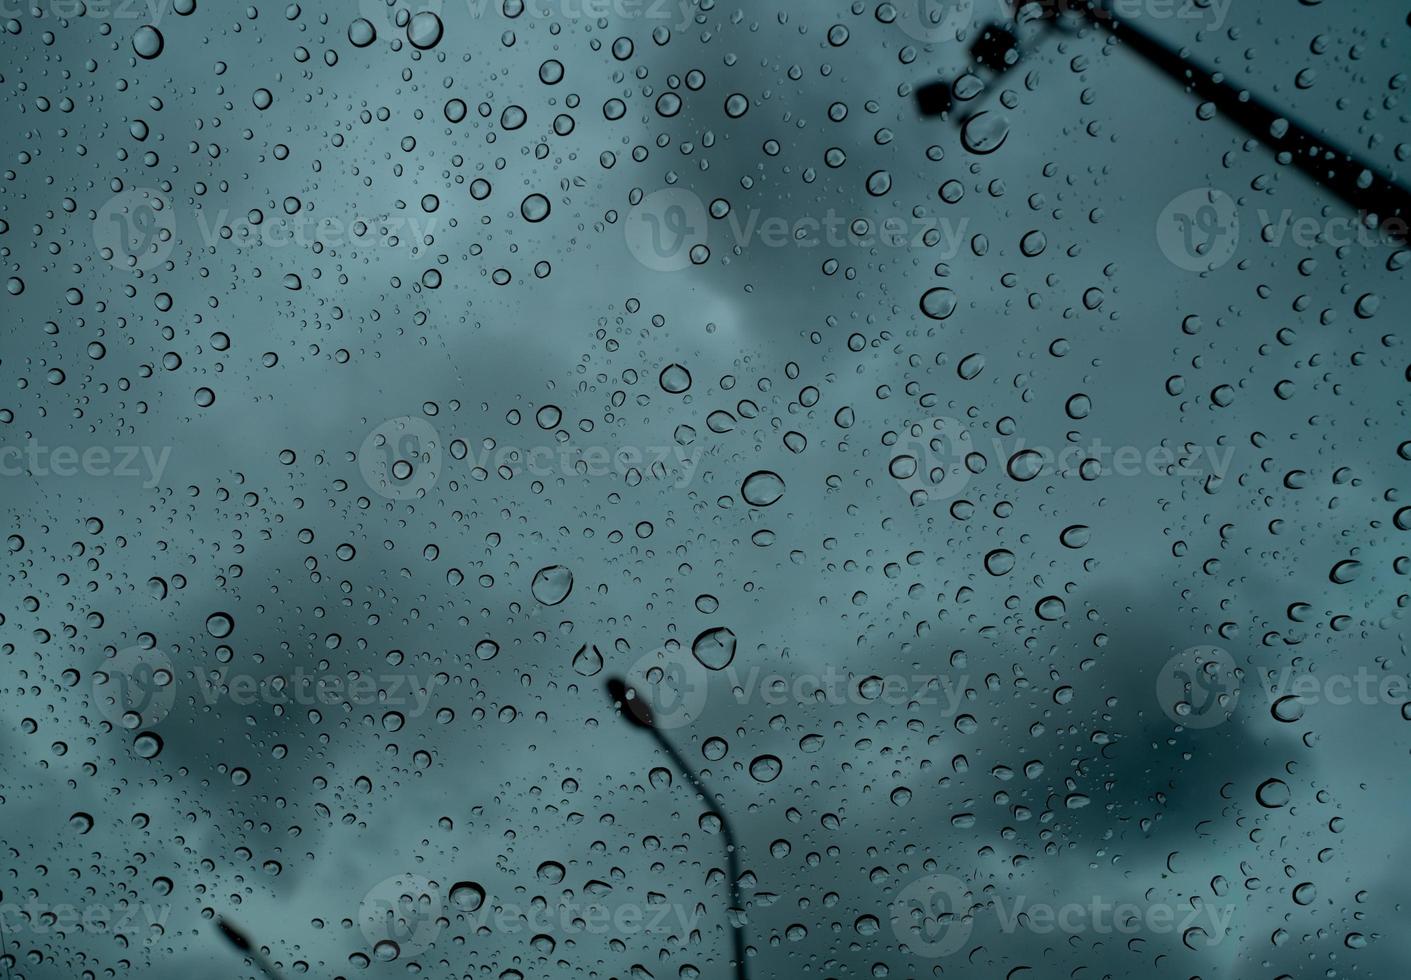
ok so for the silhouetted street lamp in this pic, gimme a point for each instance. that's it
(638, 713)
(242, 942)
(1354, 182)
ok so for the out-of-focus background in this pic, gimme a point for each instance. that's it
(1005, 517)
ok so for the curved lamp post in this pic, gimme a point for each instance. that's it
(637, 713)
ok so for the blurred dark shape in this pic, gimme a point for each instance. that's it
(242, 943)
(1380, 202)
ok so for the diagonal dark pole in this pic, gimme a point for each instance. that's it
(242, 942)
(1357, 184)
(4, 945)
(637, 713)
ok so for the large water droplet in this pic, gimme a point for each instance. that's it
(552, 584)
(762, 488)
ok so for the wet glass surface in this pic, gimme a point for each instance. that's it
(663, 489)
